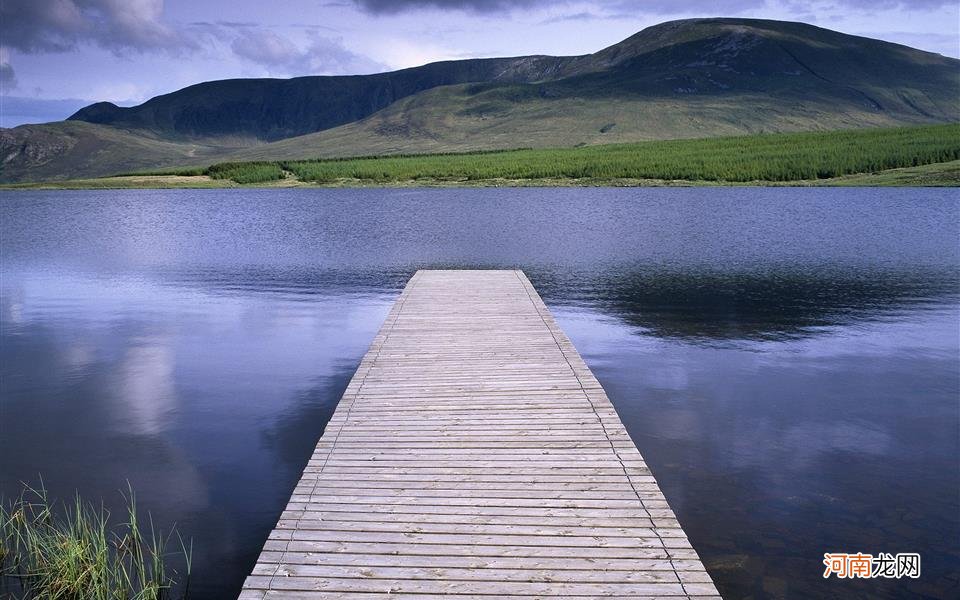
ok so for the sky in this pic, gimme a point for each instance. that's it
(59, 55)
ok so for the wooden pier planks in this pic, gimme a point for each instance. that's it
(474, 455)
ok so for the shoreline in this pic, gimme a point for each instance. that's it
(924, 156)
(932, 175)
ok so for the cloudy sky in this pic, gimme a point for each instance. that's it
(57, 55)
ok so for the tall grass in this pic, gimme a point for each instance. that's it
(249, 172)
(777, 157)
(181, 171)
(74, 552)
(770, 157)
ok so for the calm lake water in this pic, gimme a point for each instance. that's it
(787, 360)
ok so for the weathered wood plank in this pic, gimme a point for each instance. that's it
(475, 455)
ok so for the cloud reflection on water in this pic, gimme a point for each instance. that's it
(785, 359)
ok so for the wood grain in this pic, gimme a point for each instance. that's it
(474, 455)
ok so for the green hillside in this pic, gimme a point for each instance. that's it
(928, 155)
(70, 149)
(696, 78)
(775, 158)
(455, 119)
(271, 109)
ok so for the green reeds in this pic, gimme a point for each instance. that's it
(768, 157)
(250, 172)
(74, 552)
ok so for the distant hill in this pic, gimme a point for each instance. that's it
(690, 78)
(272, 109)
(70, 149)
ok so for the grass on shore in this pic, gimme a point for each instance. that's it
(933, 175)
(247, 172)
(767, 158)
(846, 157)
(74, 552)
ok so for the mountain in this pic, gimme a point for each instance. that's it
(690, 78)
(74, 149)
(272, 109)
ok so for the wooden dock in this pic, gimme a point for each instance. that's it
(474, 455)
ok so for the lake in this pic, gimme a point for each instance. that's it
(787, 360)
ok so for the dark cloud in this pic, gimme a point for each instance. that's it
(281, 56)
(60, 25)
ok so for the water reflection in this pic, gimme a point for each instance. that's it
(786, 360)
(208, 402)
(774, 451)
(735, 305)
(144, 395)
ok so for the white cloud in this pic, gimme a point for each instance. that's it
(401, 53)
(280, 56)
